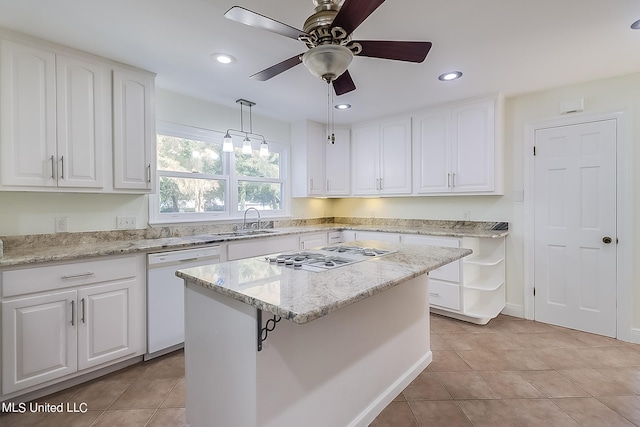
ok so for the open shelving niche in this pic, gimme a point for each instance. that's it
(483, 281)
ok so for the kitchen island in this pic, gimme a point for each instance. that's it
(269, 345)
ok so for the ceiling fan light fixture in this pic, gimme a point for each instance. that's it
(327, 61)
(451, 75)
(636, 25)
(227, 143)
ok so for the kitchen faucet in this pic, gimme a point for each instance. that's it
(244, 220)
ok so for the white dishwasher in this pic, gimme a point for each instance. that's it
(165, 296)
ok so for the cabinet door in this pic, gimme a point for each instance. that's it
(338, 164)
(432, 152)
(81, 109)
(28, 116)
(473, 147)
(38, 340)
(395, 157)
(309, 241)
(105, 323)
(365, 160)
(134, 131)
(316, 141)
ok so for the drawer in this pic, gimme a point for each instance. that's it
(334, 237)
(60, 276)
(449, 272)
(444, 294)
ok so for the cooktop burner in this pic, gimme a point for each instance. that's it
(326, 258)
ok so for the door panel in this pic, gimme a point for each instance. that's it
(575, 208)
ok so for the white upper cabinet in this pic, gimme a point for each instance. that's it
(458, 149)
(58, 132)
(381, 158)
(318, 167)
(53, 111)
(338, 164)
(134, 130)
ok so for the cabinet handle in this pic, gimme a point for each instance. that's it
(377, 183)
(82, 301)
(328, 185)
(434, 294)
(381, 185)
(311, 184)
(53, 168)
(73, 313)
(453, 180)
(75, 276)
(61, 167)
(149, 173)
(449, 180)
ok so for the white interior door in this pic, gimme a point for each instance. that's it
(575, 226)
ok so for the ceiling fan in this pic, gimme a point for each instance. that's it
(327, 34)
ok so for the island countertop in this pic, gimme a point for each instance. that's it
(302, 296)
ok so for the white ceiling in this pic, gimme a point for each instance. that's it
(511, 46)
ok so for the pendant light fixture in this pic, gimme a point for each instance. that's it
(227, 141)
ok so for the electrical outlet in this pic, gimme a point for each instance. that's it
(61, 224)
(467, 215)
(125, 222)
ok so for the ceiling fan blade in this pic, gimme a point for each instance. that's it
(353, 13)
(396, 50)
(274, 70)
(343, 84)
(253, 19)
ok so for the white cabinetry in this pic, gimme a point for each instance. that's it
(314, 240)
(54, 114)
(72, 121)
(458, 148)
(381, 158)
(471, 289)
(318, 167)
(134, 130)
(256, 247)
(66, 319)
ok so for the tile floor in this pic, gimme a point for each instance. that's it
(511, 372)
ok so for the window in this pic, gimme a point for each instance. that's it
(200, 182)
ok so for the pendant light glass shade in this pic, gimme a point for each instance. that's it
(246, 145)
(227, 143)
(264, 149)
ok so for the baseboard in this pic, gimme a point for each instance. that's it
(635, 335)
(367, 416)
(513, 310)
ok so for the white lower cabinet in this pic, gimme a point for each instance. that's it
(314, 240)
(62, 320)
(257, 247)
(473, 288)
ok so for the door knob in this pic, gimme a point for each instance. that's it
(606, 240)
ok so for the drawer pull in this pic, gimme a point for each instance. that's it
(434, 294)
(82, 301)
(75, 276)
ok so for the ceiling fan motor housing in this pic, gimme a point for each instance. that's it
(325, 12)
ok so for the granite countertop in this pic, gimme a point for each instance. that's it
(74, 249)
(302, 296)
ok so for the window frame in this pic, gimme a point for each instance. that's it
(229, 177)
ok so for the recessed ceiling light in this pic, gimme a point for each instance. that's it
(636, 25)
(343, 106)
(223, 58)
(451, 75)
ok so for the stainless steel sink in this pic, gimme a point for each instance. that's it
(248, 233)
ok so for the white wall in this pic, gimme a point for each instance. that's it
(608, 95)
